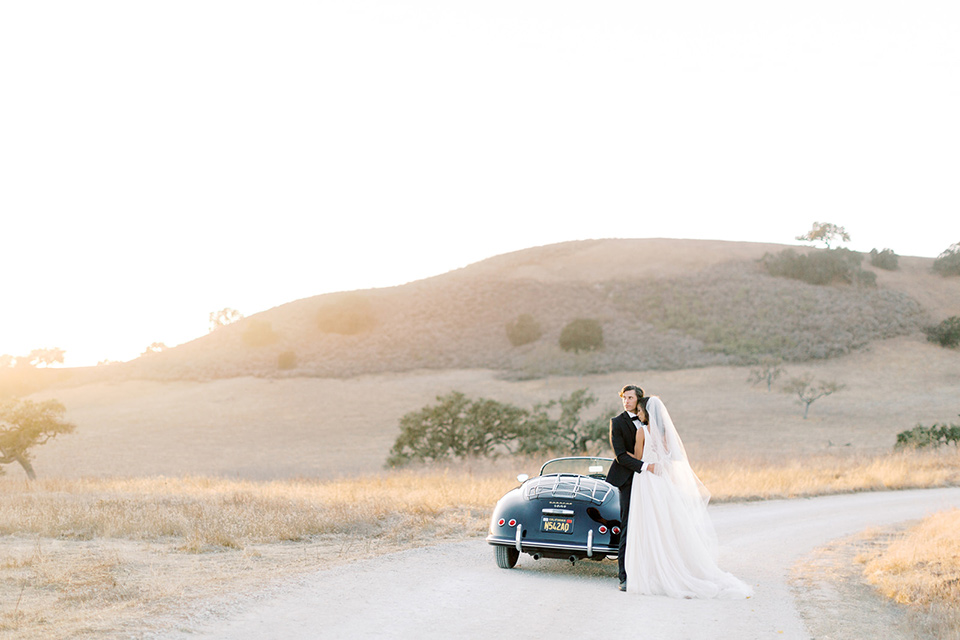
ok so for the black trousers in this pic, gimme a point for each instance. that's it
(624, 517)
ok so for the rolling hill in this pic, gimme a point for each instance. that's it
(683, 318)
(662, 304)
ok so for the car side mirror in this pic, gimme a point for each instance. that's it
(522, 478)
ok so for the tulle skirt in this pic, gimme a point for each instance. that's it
(671, 545)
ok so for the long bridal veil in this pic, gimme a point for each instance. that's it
(666, 448)
(671, 543)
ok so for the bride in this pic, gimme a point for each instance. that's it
(671, 546)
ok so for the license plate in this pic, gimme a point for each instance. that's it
(556, 524)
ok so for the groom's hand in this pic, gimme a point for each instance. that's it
(651, 467)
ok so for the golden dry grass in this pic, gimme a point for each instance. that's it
(827, 474)
(206, 512)
(921, 568)
(95, 557)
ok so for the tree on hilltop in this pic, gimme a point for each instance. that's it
(37, 357)
(886, 259)
(154, 347)
(223, 317)
(25, 424)
(825, 232)
(948, 262)
(46, 357)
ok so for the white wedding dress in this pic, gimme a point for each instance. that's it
(671, 543)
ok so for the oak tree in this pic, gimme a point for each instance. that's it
(825, 232)
(25, 424)
(223, 317)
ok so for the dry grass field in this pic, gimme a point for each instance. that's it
(205, 471)
(118, 557)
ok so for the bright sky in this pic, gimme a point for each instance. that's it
(162, 160)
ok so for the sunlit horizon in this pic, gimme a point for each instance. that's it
(164, 162)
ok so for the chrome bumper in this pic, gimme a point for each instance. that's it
(527, 546)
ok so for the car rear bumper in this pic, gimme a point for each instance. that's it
(551, 548)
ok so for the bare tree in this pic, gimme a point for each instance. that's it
(808, 392)
(825, 232)
(25, 424)
(768, 371)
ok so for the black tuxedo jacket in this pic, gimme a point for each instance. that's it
(623, 438)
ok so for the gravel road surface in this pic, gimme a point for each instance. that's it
(455, 590)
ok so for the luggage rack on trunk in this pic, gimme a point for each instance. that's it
(568, 486)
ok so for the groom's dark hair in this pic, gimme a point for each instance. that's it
(632, 387)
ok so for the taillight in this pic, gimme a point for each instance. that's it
(616, 531)
(501, 522)
(603, 529)
(513, 522)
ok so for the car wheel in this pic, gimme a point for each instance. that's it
(506, 556)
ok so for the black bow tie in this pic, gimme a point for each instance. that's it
(635, 418)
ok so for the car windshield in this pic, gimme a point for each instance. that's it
(595, 467)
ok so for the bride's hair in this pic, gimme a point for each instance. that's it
(642, 407)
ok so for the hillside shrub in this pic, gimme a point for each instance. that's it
(737, 314)
(259, 333)
(946, 334)
(948, 262)
(582, 334)
(933, 437)
(819, 267)
(524, 330)
(287, 360)
(347, 315)
(885, 259)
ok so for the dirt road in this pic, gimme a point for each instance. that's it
(456, 590)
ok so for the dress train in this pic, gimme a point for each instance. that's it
(671, 543)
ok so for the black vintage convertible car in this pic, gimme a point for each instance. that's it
(569, 511)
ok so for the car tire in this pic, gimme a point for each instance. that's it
(506, 556)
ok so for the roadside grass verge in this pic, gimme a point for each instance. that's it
(739, 480)
(98, 556)
(921, 569)
(203, 512)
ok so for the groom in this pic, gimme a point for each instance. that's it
(623, 439)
